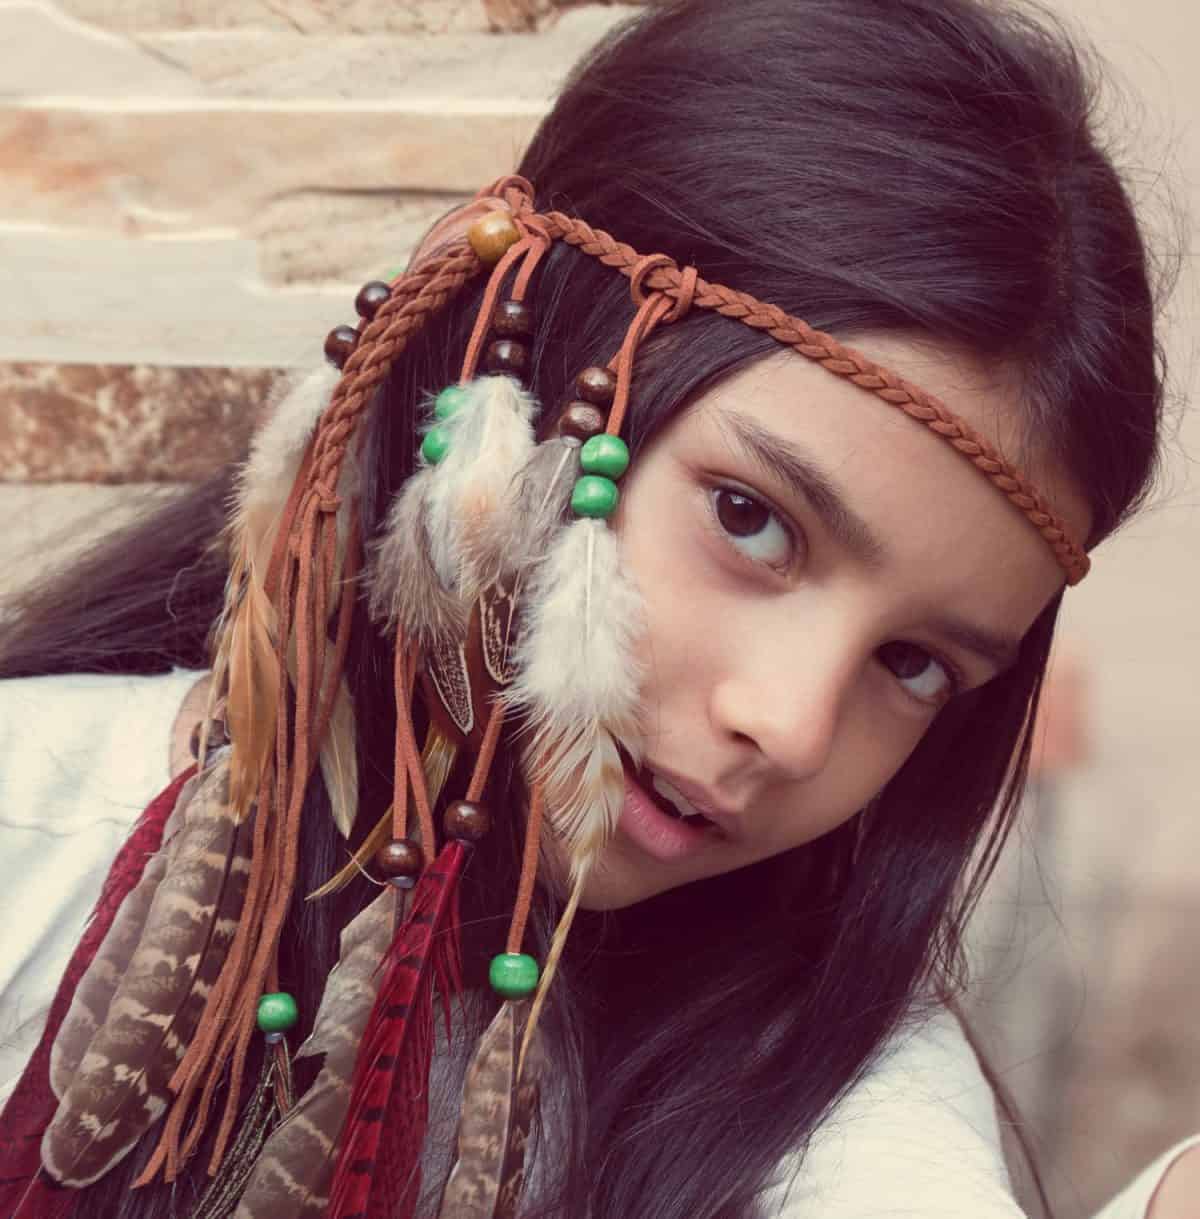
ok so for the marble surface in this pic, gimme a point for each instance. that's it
(122, 423)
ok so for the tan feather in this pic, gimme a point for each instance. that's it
(120, 1088)
(339, 762)
(93, 996)
(252, 704)
(499, 1101)
(295, 1168)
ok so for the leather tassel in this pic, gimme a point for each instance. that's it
(120, 1088)
(379, 1165)
(295, 1170)
(500, 1097)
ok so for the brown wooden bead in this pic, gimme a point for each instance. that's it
(596, 385)
(581, 421)
(467, 821)
(507, 356)
(370, 297)
(340, 344)
(492, 234)
(400, 859)
(513, 320)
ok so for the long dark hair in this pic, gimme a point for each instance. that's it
(922, 167)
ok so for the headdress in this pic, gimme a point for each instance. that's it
(500, 580)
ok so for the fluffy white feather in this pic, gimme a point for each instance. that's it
(491, 439)
(278, 448)
(577, 683)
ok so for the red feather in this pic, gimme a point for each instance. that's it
(378, 1174)
(33, 1104)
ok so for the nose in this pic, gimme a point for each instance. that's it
(784, 698)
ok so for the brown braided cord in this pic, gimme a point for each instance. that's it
(838, 359)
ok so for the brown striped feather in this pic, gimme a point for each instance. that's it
(493, 1130)
(90, 1003)
(295, 1168)
(120, 1088)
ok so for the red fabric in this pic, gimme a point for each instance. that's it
(24, 1194)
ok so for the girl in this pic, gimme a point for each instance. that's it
(767, 748)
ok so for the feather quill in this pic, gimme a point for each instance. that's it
(378, 1173)
(121, 1086)
(576, 684)
(295, 1169)
(499, 1101)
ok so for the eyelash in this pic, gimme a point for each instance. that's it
(954, 676)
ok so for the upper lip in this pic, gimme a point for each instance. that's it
(724, 816)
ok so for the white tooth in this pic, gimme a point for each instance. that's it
(667, 792)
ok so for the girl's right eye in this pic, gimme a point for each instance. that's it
(752, 528)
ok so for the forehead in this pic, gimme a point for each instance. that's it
(936, 513)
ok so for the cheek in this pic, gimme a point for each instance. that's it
(871, 747)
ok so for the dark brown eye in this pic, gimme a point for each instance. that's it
(739, 514)
(755, 530)
(918, 671)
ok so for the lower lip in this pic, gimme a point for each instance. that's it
(660, 835)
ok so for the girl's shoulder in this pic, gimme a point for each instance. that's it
(81, 756)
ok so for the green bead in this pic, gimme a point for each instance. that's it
(513, 975)
(448, 401)
(435, 446)
(277, 1013)
(605, 454)
(594, 496)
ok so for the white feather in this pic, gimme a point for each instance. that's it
(577, 683)
(490, 440)
(278, 448)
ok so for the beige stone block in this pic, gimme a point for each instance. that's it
(262, 64)
(325, 239)
(112, 424)
(304, 16)
(182, 302)
(42, 50)
(142, 166)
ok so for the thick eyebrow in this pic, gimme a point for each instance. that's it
(999, 650)
(788, 464)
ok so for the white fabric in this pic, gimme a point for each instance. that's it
(81, 756)
(918, 1138)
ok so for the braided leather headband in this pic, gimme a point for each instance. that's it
(664, 293)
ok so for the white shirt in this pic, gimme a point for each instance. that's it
(82, 756)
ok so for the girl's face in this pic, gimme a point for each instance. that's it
(820, 576)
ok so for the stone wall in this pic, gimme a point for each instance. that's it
(191, 193)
